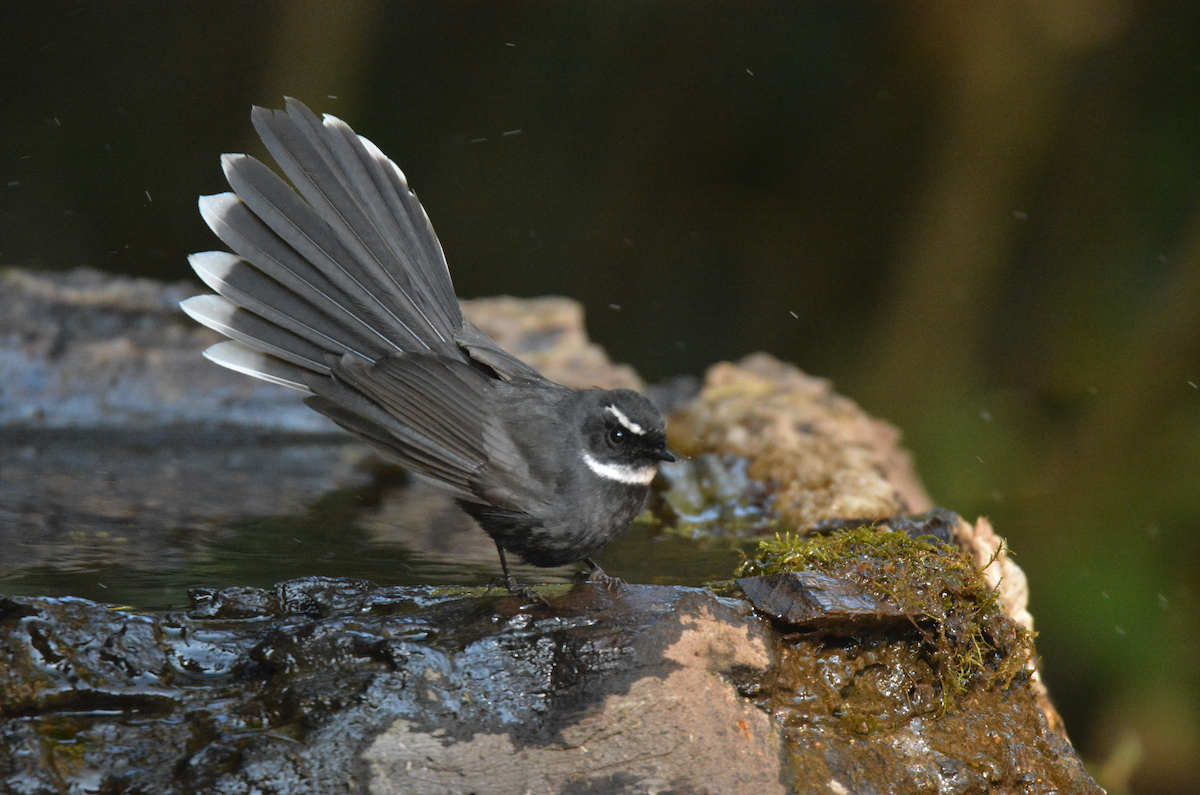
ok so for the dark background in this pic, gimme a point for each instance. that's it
(980, 220)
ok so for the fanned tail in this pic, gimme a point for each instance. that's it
(350, 265)
(339, 289)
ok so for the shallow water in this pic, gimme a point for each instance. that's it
(167, 516)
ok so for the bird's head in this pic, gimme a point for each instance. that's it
(624, 436)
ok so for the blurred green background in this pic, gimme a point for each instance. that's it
(979, 219)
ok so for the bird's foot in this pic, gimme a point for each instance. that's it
(509, 582)
(510, 585)
(597, 576)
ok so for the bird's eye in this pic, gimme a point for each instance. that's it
(616, 435)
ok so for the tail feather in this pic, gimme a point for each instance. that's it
(405, 225)
(249, 288)
(248, 361)
(277, 231)
(345, 261)
(327, 172)
(224, 316)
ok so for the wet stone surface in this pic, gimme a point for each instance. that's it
(820, 601)
(330, 685)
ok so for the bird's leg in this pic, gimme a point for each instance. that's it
(509, 582)
(596, 574)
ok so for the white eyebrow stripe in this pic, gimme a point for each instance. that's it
(621, 473)
(629, 424)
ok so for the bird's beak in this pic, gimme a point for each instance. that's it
(664, 455)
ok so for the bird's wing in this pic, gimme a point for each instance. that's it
(484, 350)
(431, 413)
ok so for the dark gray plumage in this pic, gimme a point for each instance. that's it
(341, 291)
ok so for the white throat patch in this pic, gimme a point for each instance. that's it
(629, 424)
(621, 473)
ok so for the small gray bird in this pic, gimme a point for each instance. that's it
(342, 292)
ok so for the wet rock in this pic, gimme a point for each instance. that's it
(84, 349)
(815, 600)
(816, 462)
(823, 456)
(910, 633)
(324, 685)
(336, 686)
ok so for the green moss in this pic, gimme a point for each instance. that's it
(966, 637)
(724, 587)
